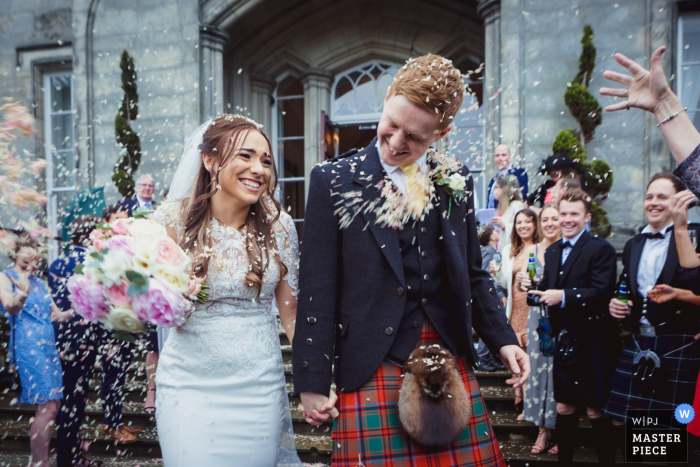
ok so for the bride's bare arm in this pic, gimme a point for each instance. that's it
(287, 306)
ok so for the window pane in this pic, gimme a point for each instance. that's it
(63, 169)
(690, 87)
(695, 118)
(292, 198)
(293, 158)
(63, 200)
(291, 117)
(691, 38)
(62, 131)
(60, 93)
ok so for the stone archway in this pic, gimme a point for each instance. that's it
(314, 40)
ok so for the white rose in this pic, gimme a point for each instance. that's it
(144, 260)
(457, 183)
(113, 269)
(94, 274)
(123, 318)
(146, 228)
(172, 277)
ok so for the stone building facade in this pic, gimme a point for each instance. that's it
(314, 73)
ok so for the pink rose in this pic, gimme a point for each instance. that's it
(167, 252)
(121, 245)
(161, 305)
(120, 227)
(98, 240)
(87, 298)
(118, 294)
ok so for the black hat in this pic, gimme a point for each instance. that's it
(558, 161)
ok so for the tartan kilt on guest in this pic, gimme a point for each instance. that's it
(369, 432)
(681, 373)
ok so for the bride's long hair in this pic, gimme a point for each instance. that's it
(221, 138)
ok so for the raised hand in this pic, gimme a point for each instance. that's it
(645, 88)
(680, 203)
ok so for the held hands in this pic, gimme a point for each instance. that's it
(646, 88)
(517, 362)
(317, 407)
(618, 309)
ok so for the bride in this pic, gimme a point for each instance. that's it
(221, 398)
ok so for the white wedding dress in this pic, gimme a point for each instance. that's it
(221, 398)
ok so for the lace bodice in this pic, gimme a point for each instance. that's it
(229, 264)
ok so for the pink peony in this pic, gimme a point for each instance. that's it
(121, 245)
(118, 294)
(161, 305)
(87, 298)
(120, 227)
(167, 252)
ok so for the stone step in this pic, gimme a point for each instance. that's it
(19, 458)
(14, 437)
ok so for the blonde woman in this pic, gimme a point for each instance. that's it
(540, 407)
(507, 193)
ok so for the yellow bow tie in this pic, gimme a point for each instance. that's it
(415, 192)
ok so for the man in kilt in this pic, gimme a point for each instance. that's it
(578, 281)
(390, 260)
(667, 329)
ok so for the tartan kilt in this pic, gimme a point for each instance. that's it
(369, 432)
(681, 371)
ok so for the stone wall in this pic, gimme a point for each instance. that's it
(540, 50)
(163, 38)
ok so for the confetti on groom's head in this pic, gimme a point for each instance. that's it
(434, 84)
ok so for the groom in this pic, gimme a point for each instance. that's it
(369, 293)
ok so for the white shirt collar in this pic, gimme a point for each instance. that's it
(142, 202)
(574, 239)
(664, 231)
(422, 161)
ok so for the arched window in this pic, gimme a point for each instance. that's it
(357, 95)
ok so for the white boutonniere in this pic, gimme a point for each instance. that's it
(455, 186)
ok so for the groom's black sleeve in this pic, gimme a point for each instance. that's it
(488, 318)
(319, 268)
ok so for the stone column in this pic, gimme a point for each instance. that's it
(490, 11)
(317, 97)
(262, 87)
(211, 71)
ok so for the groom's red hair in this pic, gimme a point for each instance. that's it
(432, 83)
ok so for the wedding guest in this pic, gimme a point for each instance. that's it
(578, 281)
(80, 342)
(540, 407)
(525, 234)
(666, 327)
(488, 239)
(558, 166)
(507, 192)
(564, 184)
(649, 90)
(26, 303)
(502, 161)
(145, 188)
(114, 212)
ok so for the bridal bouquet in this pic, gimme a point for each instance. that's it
(134, 274)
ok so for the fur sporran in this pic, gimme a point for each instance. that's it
(434, 407)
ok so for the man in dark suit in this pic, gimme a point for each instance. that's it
(651, 259)
(369, 293)
(79, 343)
(577, 284)
(145, 188)
(502, 160)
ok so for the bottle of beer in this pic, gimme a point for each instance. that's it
(531, 271)
(622, 293)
